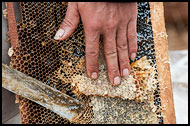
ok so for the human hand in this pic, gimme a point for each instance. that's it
(116, 22)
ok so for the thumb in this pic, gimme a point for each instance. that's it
(69, 23)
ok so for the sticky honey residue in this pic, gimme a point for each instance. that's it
(139, 85)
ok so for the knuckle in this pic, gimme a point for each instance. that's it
(123, 24)
(123, 46)
(124, 62)
(92, 67)
(110, 52)
(132, 36)
(134, 16)
(67, 23)
(92, 53)
(134, 49)
(113, 71)
(94, 26)
(111, 25)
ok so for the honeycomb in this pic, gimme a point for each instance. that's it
(113, 111)
(54, 63)
(139, 85)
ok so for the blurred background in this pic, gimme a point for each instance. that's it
(176, 19)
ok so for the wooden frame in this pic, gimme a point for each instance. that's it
(161, 51)
(162, 61)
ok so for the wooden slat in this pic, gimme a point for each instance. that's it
(12, 24)
(162, 61)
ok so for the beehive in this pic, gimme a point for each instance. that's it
(55, 63)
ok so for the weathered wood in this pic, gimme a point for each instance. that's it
(21, 84)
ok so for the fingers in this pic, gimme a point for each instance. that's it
(110, 52)
(122, 50)
(92, 53)
(132, 39)
(69, 23)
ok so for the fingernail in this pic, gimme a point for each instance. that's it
(133, 56)
(59, 34)
(94, 75)
(117, 80)
(125, 72)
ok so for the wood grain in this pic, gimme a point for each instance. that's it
(162, 62)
